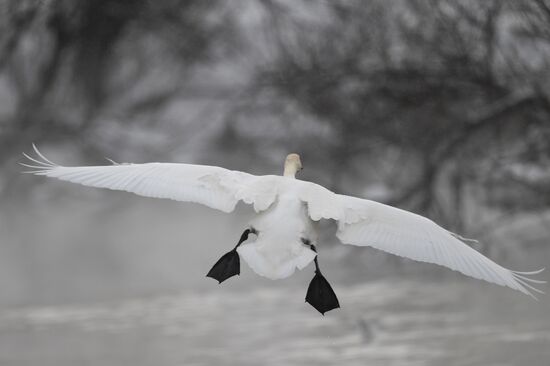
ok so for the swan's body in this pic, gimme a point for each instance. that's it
(287, 210)
(279, 249)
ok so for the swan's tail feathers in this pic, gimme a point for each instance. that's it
(39, 164)
(528, 283)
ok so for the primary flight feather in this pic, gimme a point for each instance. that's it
(285, 225)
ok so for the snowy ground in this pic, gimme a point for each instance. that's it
(388, 322)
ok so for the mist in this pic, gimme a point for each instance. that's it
(438, 107)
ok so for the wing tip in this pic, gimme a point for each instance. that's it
(40, 164)
(526, 284)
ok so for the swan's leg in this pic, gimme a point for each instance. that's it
(320, 294)
(229, 264)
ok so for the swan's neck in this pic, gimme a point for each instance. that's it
(290, 170)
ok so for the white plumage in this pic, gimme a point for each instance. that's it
(287, 211)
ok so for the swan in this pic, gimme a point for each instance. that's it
(284, 229)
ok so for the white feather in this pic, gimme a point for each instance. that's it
(279, 200)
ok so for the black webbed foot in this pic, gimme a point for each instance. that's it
(227, 266)
(320, 294)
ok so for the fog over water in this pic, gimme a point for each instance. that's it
(130, 288)
(440, 107)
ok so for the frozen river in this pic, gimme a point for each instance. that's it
(381, 323)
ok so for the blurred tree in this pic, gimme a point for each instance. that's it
(71, 68)
(443, 102)
(440, 106)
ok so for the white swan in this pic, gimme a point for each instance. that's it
(287, 211)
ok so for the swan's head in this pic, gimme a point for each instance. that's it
(293, 165)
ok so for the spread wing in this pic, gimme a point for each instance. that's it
(367, 223)
(211, 186)
(360, 222)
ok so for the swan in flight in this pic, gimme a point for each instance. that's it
(284, 230)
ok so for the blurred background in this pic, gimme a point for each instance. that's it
(441, 107)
